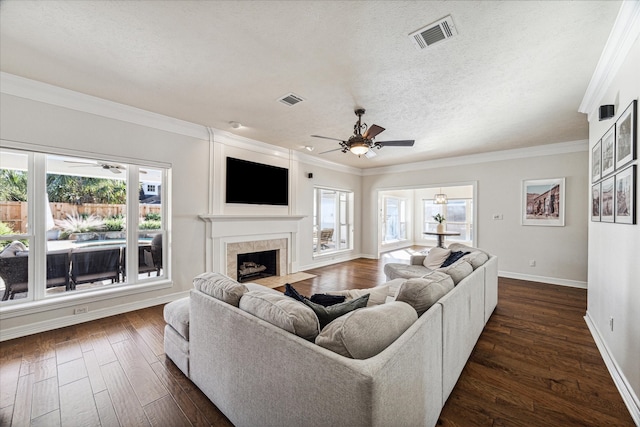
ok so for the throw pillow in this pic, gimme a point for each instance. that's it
(290, 291)
(476, 258)
(458, 271)
(326, 300)
(422, 293)
(453, 257)
(364, 333)
(327, 314)
(283, 312)
(436, 257)
(377, 295)
(220, 287)
(13, 248)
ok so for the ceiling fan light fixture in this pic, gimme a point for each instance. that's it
(359, 148)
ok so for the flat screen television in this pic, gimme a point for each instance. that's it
(256, 183)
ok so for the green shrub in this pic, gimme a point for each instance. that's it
(114, 224)
(150, 225)
(79, 224)
(152, 216)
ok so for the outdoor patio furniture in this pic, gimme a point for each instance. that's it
(14, 271)
(58, 269)
(156, 252)
(326, 236)
(93, 264)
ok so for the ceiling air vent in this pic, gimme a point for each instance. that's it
(290, 99)
(433, 33)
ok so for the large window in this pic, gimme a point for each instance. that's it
(332, 220)
(72, 225)
(395, 219)
(458, 214)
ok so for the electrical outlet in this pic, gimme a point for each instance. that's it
(532, 263)
(496, 217)
(611, 323)
(81, 310)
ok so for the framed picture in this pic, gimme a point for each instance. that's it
(626, 136)
(596, 162)
(606, 200)
(608, 150)
(543, 202)
(595, 203)
(625, 190)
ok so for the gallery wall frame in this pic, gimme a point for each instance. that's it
(595, 202)
(596, 162)
(608, 152)
(543, 202)
(624, 196)
(626, 136)
(606, 199)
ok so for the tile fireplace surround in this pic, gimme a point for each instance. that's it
(230, 235)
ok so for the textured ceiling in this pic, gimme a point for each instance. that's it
(513, 77)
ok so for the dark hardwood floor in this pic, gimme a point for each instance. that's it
(535, 364)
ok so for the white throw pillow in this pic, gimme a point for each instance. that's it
(436, 257)
(377, 295)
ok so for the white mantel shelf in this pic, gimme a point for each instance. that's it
(233, 218)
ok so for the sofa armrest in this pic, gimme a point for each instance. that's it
(417, 259)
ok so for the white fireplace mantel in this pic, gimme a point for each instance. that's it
(225, 229)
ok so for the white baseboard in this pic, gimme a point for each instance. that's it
(543, 279)
(34, 328)
(628, 396)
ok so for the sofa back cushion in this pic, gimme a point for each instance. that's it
(366, 332)
(421, 293)
(458, 271)
(377, 295)
(436, 257)
(283, 312)
(220, 287)
(476, 258)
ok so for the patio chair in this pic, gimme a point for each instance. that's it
(326, 237)
(90, 265)
(14, 271)
(58, 269)
(156, 252)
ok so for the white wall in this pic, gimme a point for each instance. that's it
(560, 252)
(614, 270)
(44, 125)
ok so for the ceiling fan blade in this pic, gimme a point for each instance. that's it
(370, 154)
(329, 151)
(401, 143)
(326, 137)
(115, 170)
(373, 131)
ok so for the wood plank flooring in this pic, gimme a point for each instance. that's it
(535, 364)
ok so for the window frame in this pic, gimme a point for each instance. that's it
(468, 224)
(37, 300)
(403, 207)
(343, 221)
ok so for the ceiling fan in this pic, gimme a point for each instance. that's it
(112, 167)
(362, 143)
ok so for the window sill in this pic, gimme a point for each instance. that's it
(71, 300)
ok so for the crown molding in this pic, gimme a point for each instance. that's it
(21, 87)
(623, 35)
(494, 156)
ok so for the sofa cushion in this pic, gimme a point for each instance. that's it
(328, 314)
(436, 257)
(283, 312)
(421, 293)
(258, 287)
(13, 248)
(377, 295)
(396, 270)
(364, 333)
(220, 287)
(476, 258)
(176, 314)
(458, 270)
(453, 257)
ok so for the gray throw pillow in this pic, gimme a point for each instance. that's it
(329, 313)
(220, 287)
(283, 312)
(364, 333)
(422, 293)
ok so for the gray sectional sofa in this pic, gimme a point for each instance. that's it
(251, 350)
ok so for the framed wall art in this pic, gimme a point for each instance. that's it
(595, 202)
(608, 152)
(626, 136)
(606, 200)
(596, 162)
(543, 202)
(624, 198)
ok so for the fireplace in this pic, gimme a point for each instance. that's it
(257, 265)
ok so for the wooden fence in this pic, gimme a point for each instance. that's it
(15, 213)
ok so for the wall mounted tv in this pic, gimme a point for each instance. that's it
(256, 183)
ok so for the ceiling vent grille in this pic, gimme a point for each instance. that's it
(290, 99)
(434, 33)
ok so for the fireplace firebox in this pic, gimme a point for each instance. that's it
(257, 265)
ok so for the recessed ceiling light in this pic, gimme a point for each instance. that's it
(309, 147)
(235, 125)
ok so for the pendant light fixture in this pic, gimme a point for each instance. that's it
(440, 198)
